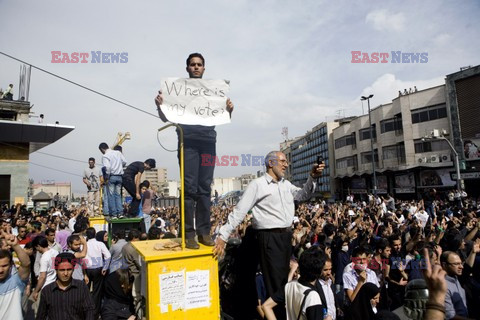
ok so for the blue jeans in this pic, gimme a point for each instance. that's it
(115, 195)
(105, 200)
(147, 220)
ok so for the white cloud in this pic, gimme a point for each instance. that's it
(383, 20)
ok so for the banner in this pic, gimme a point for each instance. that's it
(405, 183)
(436, 178)
(195, 101)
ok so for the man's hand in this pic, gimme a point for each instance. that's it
(35, 296)
(104, 272)
(362, 277)
(435, 278)
(86, 279)
(476, 246)
(138, 196)
(159, 99)
(219, 248)
(317, 170)
(403, 282)
(229, 106)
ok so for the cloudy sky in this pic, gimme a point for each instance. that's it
(288, 62)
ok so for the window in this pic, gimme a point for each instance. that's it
(367, 156)
(345, 141)
(347, 162)
(392, 124)
(429, 146)
(396, 151)
(364, 134)
(429, 113)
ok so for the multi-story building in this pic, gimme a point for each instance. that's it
(463, 104)
(157, 177)
(304, 153)
(406, 161)
(19, 138)
(286, 148)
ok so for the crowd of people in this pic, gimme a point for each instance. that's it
(371, 259)
(365, 258)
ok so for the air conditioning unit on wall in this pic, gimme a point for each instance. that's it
(445, 158)
(422, 160)
(435, 158)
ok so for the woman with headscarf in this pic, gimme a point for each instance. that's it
(102, 236)
(364, 305)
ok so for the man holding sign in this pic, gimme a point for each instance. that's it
(198, 105)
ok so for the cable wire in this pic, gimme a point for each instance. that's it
(73, 174)
(81, 86)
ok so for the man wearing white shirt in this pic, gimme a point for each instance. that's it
(113, 161)
(98, 260)
(359, 274)
(271, 200)
(47, 270)
(328, 298)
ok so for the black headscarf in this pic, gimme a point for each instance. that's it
(99, 236)
(361, 308)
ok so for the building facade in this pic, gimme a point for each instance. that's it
(407, 160)
(19, 138)
(304, 153)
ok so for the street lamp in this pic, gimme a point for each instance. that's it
(457, 162)
(371, 144)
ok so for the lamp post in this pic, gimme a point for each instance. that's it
(457, 161)
(371, 144)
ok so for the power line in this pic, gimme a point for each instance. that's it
(73, 174)
(81, 86)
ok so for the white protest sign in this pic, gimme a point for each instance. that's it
(195, 101)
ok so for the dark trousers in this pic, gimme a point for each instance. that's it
(198, 180)
(131, 188)
(114, 310)
(96, 281)
(272, 250)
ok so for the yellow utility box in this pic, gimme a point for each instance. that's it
(99, 223)
(179, 284)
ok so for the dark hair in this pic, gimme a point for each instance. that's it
(62, 225)
(151, 163)
(40, 241)
(358, 251)
(195, 55)
(118, 148)
(6, 254)
(382, 244)
(119, 234)
(146, 183)
(103, 146)
(154, 233)
(91, 233)
(133, 234)
(65, 257)
(73, 237)
(444, 256)
(311, 264)
(49, 231)
(91, 159)
(394, 237)
(329, 229)
(36, 225)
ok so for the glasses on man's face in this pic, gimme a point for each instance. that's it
(456, 264)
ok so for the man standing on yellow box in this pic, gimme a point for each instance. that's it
(198, 140)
